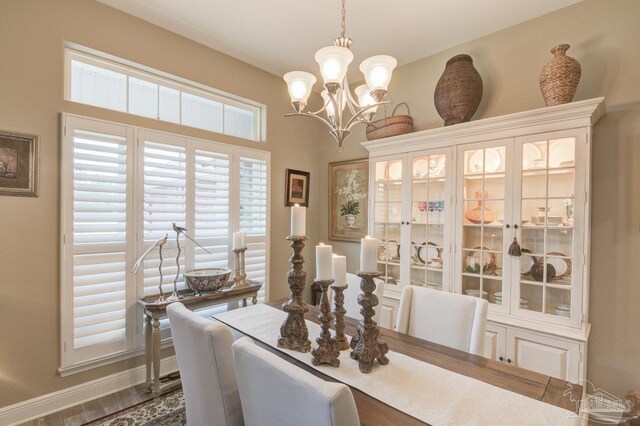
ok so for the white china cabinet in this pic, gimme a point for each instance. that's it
(447, 204)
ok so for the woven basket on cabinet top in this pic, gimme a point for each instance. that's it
(391, 126)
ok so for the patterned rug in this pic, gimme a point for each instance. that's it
(168, 410)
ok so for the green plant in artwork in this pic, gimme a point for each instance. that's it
(350, 207)
(351, 189)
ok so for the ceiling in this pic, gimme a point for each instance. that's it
(283, 35)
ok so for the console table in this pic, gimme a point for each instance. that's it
(154, 311)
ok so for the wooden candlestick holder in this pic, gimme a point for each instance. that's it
(365, 345)
(294, 334)
(338, 296)
(325, 350)
(240, 278)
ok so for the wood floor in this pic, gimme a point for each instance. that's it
(93, 410)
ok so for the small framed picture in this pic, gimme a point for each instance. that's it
(297, 188)
(18, 164)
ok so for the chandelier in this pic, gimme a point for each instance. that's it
(334, 61)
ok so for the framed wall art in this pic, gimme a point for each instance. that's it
(297, 188)
(348, 200)
(18, 164)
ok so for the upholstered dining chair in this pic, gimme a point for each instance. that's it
(203, 349)
(351, 297)
(276, 393)
(454, 320)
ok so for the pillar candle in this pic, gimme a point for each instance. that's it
(298, 221)
(339, 270)
(368, 254)
(239, 240)
(324, 268)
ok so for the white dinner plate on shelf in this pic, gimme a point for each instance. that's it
(395, 170)
(421, 168)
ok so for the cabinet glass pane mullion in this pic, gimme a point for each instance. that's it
(547, 199)
(428, 218)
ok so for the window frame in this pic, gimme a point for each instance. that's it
(150, 75)
(92, 357)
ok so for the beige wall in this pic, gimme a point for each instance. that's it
(32, 36)
(604, 36)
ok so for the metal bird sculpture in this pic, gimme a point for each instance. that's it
(182, 231)
(160, 243)
(178, 230)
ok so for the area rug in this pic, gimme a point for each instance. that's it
(168, 410)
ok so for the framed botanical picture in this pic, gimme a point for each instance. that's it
(297, 188)
(18, 164)
(348, 200)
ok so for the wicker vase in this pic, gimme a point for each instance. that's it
(560, 77)
(459, 90)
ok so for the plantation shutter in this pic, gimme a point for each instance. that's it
(95, 236)
(211, 209)
(122, 189)
(164, 194)
(253, 217)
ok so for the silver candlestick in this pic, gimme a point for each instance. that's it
(366, 346)
(342, 342)
(325, 351)
(294, 334)
(240, 279)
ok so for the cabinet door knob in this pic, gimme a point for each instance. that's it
(508, 226)
(515, 226)
(501, 358)
(509, 360)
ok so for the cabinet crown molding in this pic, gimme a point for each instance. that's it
(567, 116)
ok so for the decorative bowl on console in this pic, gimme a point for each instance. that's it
(207, 280)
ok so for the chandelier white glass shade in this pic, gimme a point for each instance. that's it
(334, 62)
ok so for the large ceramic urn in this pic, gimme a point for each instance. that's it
(459, 90)
(560, 77)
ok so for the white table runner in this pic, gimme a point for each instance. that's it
(429, 393)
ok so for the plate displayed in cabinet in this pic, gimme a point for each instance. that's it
(473, 262)
(427, 251)
(561, 264)
(526, 262)
(492, 161)
(394, 172)
(421, 168)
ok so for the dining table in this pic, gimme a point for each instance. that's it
(372, 412)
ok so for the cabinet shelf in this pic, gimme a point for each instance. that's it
(420, 267)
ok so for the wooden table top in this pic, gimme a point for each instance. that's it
(373, 412)
(190, 297)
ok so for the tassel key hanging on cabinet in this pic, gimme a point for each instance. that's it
(514, 248)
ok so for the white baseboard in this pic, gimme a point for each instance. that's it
(56, 401)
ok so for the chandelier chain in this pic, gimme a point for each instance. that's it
(343, 25)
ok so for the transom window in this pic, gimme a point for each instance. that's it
(110, 83)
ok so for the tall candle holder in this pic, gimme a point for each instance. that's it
(294, 334)
(365, 345)
(240, 278)
(325, 350)
(342, 342)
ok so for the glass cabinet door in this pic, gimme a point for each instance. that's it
(548, 192)
(387, 217)
(484, 212)
(430, 219)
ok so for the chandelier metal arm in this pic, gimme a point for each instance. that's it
(355, 119)
(314, 115)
